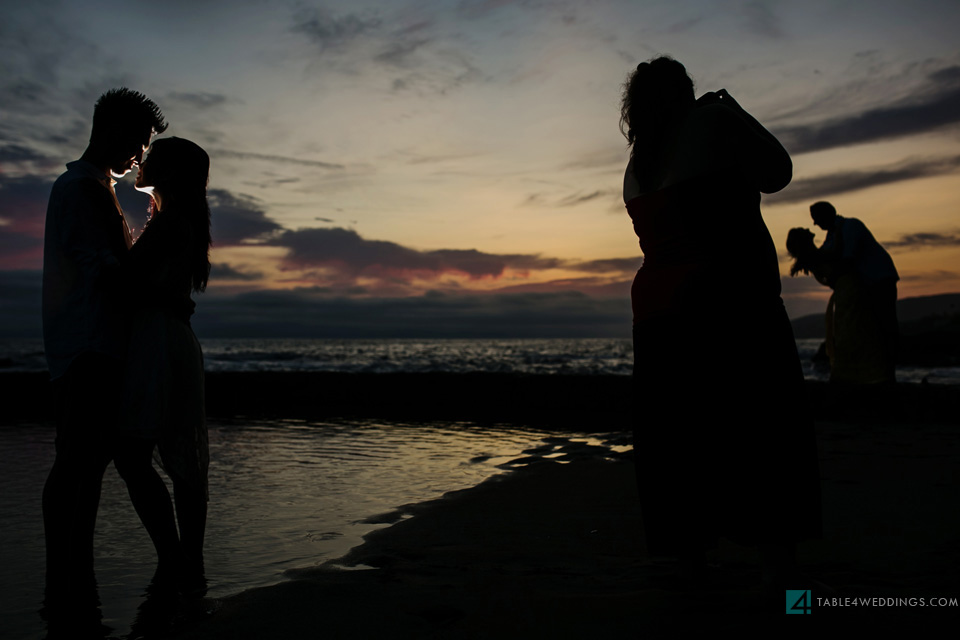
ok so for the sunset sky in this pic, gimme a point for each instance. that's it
(454, 168)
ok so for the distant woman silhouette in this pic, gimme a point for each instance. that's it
(715, 363)
(164, 399)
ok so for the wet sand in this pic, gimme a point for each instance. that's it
(555, 549)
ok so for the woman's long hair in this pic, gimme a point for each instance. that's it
(179, 170)
(655, 97)
(801, 247)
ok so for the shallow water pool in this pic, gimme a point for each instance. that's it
(284, 494)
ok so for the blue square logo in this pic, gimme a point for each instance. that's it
(799, 601)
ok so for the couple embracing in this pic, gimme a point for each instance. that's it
(861, 318)
(126, 368)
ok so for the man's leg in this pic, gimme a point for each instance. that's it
(71, 495)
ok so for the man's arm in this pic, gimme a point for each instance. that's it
(854, 234)
(828, 241)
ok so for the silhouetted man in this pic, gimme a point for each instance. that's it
(84, 337)
(853, 243)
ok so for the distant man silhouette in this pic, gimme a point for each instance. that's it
(84, 337)
(851, 241)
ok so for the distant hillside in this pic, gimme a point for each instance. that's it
(927, 312)
(810, 326)
(929, 329)
(923, 309)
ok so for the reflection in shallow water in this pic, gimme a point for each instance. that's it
(284, 494)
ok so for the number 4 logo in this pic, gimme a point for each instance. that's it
(799, 601)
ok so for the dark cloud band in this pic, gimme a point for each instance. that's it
(346, 252)
(938, 107)
(820, 187)
(263, 157)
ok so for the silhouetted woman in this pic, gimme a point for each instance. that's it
(720, 445)
(854, 339)
(164, 398)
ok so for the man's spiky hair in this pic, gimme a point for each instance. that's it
(123, 110)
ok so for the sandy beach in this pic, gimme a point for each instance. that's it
(555, 549)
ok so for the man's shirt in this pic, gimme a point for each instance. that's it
(84, 240)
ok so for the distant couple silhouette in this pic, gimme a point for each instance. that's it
(861, 318)
(723, 439)
(126, 368)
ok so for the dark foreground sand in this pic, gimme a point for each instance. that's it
(555, 550)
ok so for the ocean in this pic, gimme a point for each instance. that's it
(579, 356)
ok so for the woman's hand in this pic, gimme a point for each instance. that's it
(719, 97)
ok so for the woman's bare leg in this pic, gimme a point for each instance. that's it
(150, 498)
